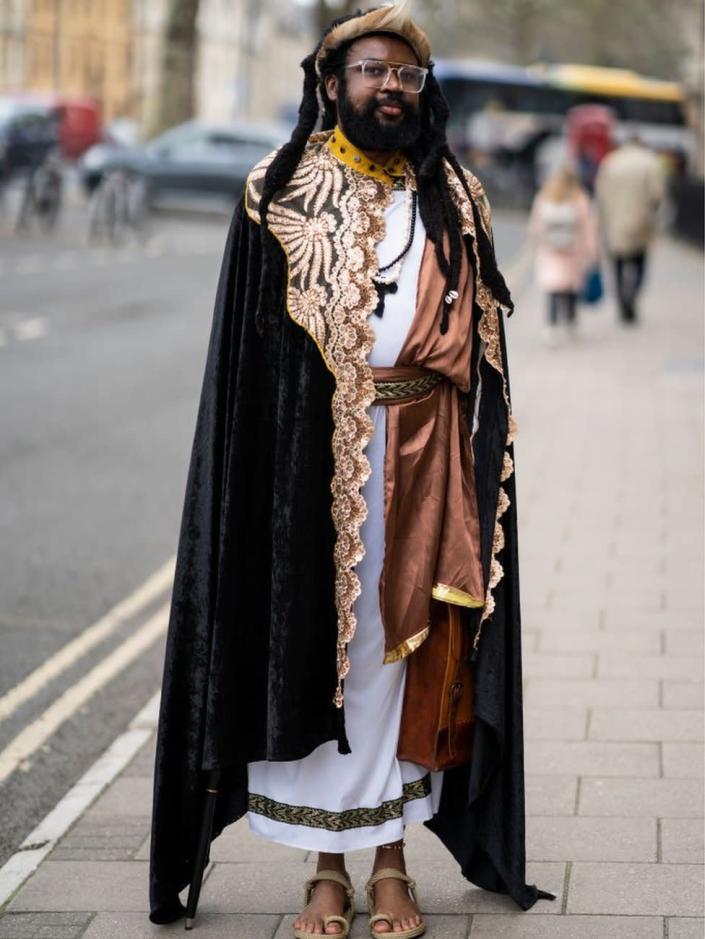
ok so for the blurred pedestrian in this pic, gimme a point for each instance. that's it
(349, 489)
(563, 230)
(629, 190)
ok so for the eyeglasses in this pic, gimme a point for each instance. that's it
(376, 74)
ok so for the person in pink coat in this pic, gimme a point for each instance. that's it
(564, 232)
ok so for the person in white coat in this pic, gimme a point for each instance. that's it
(629, 189)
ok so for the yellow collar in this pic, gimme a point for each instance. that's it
(348, 153)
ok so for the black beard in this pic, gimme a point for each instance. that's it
(367, 132)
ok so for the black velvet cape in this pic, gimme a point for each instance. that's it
(250, 669)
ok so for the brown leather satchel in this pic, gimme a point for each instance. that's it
(437, 721)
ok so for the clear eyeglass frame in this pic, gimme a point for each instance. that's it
(376, 73)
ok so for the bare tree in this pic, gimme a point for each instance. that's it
(628, 33)
(178, 64)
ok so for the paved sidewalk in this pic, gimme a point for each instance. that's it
(609, 461)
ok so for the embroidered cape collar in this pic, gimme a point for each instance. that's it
(345, 151)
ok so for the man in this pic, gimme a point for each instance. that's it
(351, 483)
(629, 189)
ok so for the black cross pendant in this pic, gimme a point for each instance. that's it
(382, 291)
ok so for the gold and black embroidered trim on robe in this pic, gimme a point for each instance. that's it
(328, 220)
(339, 821)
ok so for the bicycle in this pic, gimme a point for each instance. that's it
(42, 196)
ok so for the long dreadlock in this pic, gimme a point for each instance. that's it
(428, 157)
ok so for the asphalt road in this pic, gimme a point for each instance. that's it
(101, 357)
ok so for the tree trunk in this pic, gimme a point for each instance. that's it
(178, 64)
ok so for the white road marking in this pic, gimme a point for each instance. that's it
(130, 606)
(29, 740)
(34, 328)
(40, 842)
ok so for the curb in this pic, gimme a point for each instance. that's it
(40, 842)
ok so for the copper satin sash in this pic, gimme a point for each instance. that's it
(432, 531)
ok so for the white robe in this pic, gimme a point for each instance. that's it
(341, 802)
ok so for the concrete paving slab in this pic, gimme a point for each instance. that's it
(111, 886)
(127, 796)
(682, 841)
(208, 926)
(636, 889)
(683, 760)
(685, 642)
(43, 925)
(556, 692)
(595, 640)
(683, 694)
(550, 795)
(560, 618)
(611, 665)
(517, 926)
(652, 619)
(580, 838)
(556, 724)
(587, 758)
(644, 724)
(633, 601)
(682, 928)
(558, 666)
(102, 838)
(648, 798)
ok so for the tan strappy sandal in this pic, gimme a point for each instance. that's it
(344, 921)
(384, 874)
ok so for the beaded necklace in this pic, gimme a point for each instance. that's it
(386, 280)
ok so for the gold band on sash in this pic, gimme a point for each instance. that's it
(389, 392)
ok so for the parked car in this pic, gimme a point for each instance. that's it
(39, 123)
(29, 132)
(193, 159)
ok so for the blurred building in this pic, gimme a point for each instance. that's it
(247, 60)
(248, 54)
(80, 48)
(249, 57)
(12, 32)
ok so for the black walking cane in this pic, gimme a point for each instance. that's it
(204, 841)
